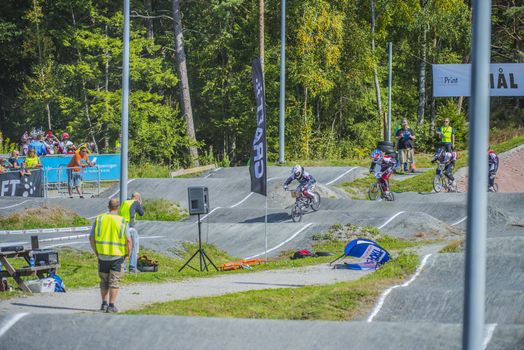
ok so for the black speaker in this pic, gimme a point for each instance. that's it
(198, 199)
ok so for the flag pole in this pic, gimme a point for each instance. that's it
(265, 228)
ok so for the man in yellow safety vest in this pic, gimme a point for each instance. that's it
(447, 135)
(128, 211)
(111, 243)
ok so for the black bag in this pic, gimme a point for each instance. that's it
(304, 253)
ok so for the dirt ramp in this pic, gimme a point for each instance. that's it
(421, 225)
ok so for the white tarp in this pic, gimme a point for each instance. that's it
(506, 79)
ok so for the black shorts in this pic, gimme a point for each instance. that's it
(111, 265)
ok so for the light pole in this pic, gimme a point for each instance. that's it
(125, 106)
(282, 81)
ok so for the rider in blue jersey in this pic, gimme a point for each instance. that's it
(306, 181)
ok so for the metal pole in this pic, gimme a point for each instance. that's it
(390, 46)
(125, 105)
(282, 81)
(475, 277)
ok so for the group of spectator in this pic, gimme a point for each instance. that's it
(39, 144)
(406, 139)
(46, 143)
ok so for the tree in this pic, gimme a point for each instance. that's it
(185, 97)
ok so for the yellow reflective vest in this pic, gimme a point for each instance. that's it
(110, 235)
(125, 210)
(446, 131)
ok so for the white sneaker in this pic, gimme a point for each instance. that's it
(491, 189)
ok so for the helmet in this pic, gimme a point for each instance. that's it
(376, 154)
(297, 170)
(65, 135)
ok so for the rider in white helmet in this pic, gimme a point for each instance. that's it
(306, 181)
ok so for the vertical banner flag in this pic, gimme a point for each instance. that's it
(257, 164)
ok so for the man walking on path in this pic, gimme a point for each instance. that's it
(405, 137)
(447, 135)
(111, 243)
(128, 210)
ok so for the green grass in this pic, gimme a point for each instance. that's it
(163, 210)
(45, 217)
(509, 144)
(341, 301)
(148, 170)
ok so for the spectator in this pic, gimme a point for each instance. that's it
(405, 137)
(50, 142)
(128, 210)
(25, 146)
(111, 243)
(14, 162)
(32, 160)
(66, 146)
(447, 136)
(3, 167)
(80, 160)
(118, 144)
(39, 146)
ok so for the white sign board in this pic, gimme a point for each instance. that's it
(505, 79)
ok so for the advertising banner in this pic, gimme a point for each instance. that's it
(505, 79)
(257, 164)
(108, 165)
(13, 184)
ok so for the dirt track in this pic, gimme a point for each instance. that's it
(510, 176)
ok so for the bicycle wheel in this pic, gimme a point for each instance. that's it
(374, 191)
(316, 204)
(390, 197)
(296, 213)
(496, 187)
(438, 183)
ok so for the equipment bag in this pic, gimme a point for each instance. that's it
(59, 284)
(304, 253)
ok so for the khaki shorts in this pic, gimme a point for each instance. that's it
(406, 155)
(110, 273)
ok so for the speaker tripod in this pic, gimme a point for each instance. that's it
(202, 254)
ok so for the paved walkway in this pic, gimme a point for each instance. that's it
(135, 296)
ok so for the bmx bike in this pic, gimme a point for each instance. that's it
(441, 181)
(303, 203)
(376, 192)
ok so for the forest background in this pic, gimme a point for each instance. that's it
(61, 67)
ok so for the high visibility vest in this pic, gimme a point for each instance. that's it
(31, 162)
(446, 131)
(125, 210)
(110, 237)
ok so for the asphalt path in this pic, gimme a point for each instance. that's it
(424, 312)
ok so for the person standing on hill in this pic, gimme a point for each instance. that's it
(128, 211)
(111, 243)
(405, 137)
(446, 133)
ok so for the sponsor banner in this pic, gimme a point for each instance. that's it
(505, 79)
(12, 184)
(109, 165)
(257, 164)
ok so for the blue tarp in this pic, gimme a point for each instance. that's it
(109, 165)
